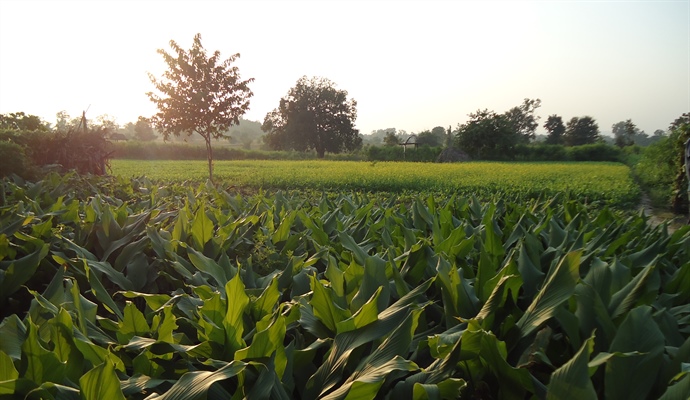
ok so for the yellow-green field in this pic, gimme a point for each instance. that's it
(608, 182)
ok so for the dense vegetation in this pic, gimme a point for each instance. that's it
(118, 288)
(600, 183)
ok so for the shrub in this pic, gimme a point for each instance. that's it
(594, 152)
(398, 153)
(12, 159)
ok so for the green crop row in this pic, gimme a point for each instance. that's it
(609, 183)
(111, 288)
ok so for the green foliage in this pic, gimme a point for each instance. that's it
(599, 183)
(314, 115)
(661, 172)
(133, 289)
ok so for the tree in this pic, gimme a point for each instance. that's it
(314, 115)
(522, 119)
(199, 94)
(434, 138)
(22, 122)
(391, 139)
(143, 129)
(65, 122)
(487, 135)
(678, 122)
(624, 133)
(554, 125)
(581, 130)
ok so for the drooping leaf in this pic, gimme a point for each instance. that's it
(195, 385)
(571, 380)
(559, 286)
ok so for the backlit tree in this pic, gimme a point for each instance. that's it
(199, 94)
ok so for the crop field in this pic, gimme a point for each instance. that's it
(157, 288)
(610, 183)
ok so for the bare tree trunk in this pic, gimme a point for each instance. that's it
(209, 155)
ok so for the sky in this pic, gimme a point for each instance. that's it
(410, 65)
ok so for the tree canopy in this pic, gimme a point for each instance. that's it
(22, 122)
(314, 115)
(487, 135)
(554, 125)
(624, 133)
(199, 94)
(522, 119)
(143, 129)
(581, 130)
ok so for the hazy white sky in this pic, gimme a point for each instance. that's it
(411, 65)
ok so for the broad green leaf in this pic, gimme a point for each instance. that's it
(679, 390)
(267, 302)
(283, 232)
(17, 388)
(325, 308)
(13, 334)
(202, 228)
(373, 280)
(459, 296)
(349, 243)
(38, 363)
(367, 314)
(592, 314)
(514, 381)
(449, 389)
(237, 301)
(85, 309)
(559, 286)
(571, 380)
(7, 368)
(133, 324)
(330, 372)
(167, 325)
(370, 379)
(267, 340)
(99, 291)
(195, 385)
(633, 377)
(18, 272)
(208, 266)
(114, 276)
(626, 298)
(101, 382)
(532, 276)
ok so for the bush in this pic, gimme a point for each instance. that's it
(12, 160)
(594, 152)
(398, 153)
(84, 152)
(136, 150)
(540, 152)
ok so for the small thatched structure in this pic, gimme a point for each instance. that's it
(451, 154)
